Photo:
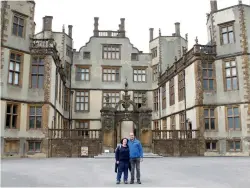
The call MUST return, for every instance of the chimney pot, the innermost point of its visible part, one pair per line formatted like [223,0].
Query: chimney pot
[70,30]
[151,34]
[47,23]
[177,29]
[213,5]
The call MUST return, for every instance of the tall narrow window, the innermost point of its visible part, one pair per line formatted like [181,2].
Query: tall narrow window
[155,73]
[231,76]
[37,73]
[138,95]
[209,119]
[111,74]
[181,86]
[172,122]
[67,70]
[66,99]
[139,75]
[171,92]
[11,116]
[233,118]
[156,100]
[35,117]
[114,98]
[82,101]
[208,76]
[182,121]
[82,74]
[15,68]
[156,125]
[227,34]
[18,26]
[164,124]
[111,51]
[163,93]
[154,52]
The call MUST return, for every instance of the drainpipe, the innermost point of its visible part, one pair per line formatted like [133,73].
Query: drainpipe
[70,93]
[185,99]
[56,89]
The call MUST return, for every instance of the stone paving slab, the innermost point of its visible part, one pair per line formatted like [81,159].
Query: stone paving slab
[199,172]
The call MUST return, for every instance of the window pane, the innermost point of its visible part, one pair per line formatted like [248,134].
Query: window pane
[230,123]
[11,67]
[20,31]
[34,81]
[135,78]
[227,64]
[14,31]
[231,145]
[206,113]
[212,121]
[228,72]
[205,86]
[213,145]
[233,63]
[234,71]
[207,124]
[38,122]
[16,78]
[38,111]
[228,80]
[229,112]
[86,106]
[31,146]
[225,41]
[237,123]
[10,77]
[40,82]
[210,73]
[34,69]
[224,30]
[37,146]
[231,37]
[144,78]
[211,113]
[41,70]
[237,145]
[235,83]
[230,28]
[8,120]
[208,145]
[32,122]
[211,84]
[236,111]
[87,76]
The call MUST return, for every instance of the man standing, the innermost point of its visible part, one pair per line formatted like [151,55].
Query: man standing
[136,156]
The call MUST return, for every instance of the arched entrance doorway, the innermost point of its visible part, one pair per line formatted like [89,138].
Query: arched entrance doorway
[112,118]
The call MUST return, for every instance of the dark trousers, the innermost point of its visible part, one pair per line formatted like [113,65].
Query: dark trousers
[135,163]
[122,168]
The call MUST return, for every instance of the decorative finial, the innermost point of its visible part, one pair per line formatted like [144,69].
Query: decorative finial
[175,58]
[196,40]
[159,32]
[63,28]
[186,36]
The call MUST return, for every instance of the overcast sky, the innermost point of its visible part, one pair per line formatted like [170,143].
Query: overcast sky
[139,16]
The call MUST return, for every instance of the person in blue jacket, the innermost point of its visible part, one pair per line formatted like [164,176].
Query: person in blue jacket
[136,156]
[122,160]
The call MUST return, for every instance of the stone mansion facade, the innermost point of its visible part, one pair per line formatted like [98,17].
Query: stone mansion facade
[47,84]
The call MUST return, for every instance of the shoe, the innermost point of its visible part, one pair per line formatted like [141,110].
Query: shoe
[138,181]
[117,182]
[126,182]
[131,182]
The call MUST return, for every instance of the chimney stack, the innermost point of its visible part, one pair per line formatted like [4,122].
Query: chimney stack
[213,5]
[151,34]
[96,19]
[177,29]
[240,2]
[47,23]
[70,30]
[122,27]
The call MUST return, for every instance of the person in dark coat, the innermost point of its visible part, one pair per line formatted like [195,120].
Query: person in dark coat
[122,160]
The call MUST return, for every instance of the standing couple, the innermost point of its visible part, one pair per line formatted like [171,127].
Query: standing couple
[130,152]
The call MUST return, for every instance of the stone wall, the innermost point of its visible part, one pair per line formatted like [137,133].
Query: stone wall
[174,147]
[72,147]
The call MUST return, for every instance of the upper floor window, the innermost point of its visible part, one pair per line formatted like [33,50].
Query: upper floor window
[139,74]
[233,118]
[86,55]
[15,68]
[35,117]
[82,73]
[154,52]
[155,72]
[18,26]
[208,76]
[156,100]
[181,86]
[82,101]
[227,33]
[66,99]
[231,75]
[82,124]
[156,125]
[171,92]
[11,116]
[37,72]
[134,57]
[163,93]
[138,95]
[67,70]
[111,51]
[114,98]
[172,122]
[111,74]
[209,119]
[68,51]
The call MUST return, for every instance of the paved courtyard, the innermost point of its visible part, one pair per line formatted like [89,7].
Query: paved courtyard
[221,172]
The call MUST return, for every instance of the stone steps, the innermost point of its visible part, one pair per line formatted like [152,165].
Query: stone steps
[112,155]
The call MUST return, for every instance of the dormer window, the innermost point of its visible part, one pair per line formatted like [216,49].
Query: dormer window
[86,55]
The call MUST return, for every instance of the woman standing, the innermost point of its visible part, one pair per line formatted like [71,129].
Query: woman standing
[122,160]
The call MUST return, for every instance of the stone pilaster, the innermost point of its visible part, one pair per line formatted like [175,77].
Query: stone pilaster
[245,61]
